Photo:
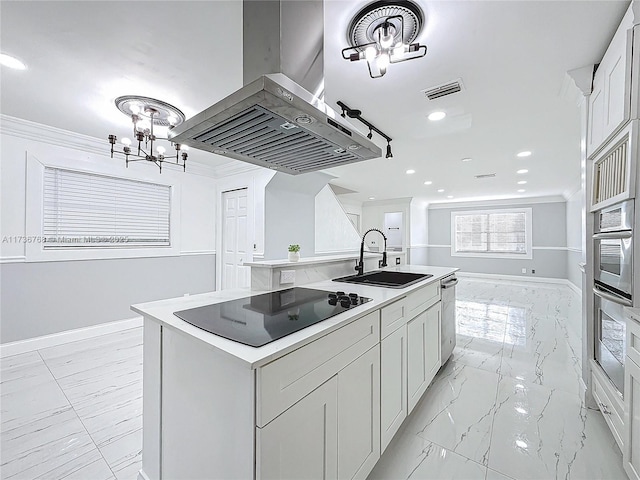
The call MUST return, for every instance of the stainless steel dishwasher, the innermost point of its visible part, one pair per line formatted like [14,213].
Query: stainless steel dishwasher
[448,319]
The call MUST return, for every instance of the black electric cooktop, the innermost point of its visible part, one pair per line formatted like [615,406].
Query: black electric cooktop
[261,319]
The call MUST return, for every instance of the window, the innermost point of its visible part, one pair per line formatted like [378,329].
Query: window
[87,210]
[492,233]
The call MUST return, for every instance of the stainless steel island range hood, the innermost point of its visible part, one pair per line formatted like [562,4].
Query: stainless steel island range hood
[274,121]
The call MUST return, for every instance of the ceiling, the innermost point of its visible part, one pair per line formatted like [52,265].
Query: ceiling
[511,56]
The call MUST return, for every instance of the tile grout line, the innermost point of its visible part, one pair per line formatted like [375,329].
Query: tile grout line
[77,416]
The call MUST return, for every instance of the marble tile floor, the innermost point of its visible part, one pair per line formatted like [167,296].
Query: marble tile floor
[506,406]
[73,411]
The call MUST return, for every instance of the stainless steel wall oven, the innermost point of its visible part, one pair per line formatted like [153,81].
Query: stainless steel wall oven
[613,287]
[613,250]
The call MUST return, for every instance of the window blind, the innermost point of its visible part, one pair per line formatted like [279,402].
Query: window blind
[88,210]
[484,232]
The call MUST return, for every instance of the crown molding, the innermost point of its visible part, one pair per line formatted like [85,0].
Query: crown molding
[498,203]
[38,132]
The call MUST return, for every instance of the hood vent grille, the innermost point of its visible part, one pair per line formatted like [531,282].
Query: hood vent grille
[269,140]
[444,90]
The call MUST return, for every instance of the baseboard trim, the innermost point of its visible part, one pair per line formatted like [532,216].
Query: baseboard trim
[521,278]
[55,339]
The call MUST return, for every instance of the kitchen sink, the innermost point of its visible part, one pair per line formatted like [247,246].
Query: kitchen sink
[385,279]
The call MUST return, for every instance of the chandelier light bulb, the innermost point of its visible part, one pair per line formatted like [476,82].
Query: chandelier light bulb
[126,142]
[172,120]
[370,53]
[383,61]
[135,109]
[184,148]
[386,37]
[161,150]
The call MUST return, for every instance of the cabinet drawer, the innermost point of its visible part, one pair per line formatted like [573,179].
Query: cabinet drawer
[418,301]
[286,380]
[609,407]
[392,317]
[633,340]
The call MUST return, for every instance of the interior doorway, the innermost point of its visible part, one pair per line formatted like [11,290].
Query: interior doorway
[235,241]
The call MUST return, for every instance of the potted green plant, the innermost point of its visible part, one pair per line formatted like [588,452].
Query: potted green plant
[294,252]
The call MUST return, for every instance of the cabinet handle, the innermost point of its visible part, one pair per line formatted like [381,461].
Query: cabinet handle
[605,409]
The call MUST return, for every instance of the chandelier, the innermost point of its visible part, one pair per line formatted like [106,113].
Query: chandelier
[147,113]
[382,34]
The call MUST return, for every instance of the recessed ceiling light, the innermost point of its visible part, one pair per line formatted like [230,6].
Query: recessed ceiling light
[435,116]
[441,190]
[467,159]
[521,444]
[524,170]
[522,182]
[449,196]
[428,182]
[410,172]
[521,190]
[526,153]
[11,62]
[372,198]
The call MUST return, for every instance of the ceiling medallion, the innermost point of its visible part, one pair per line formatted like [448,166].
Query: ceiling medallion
[382,34]
[145,113]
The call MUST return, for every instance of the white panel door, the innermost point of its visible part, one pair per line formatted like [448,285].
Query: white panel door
[302,442]
[393,380]
[235,241]
[359,416]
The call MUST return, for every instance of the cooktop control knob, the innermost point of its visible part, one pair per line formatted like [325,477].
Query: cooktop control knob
[354,298]
[345,302]
[340,294]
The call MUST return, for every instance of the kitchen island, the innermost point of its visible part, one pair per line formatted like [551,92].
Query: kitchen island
[322,402]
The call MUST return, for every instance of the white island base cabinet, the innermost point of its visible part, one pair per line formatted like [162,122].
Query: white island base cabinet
[423,353]
[302,443]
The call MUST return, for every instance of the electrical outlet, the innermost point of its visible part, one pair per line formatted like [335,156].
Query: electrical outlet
[524,270]
[397,260]
[533,271]
[287,276]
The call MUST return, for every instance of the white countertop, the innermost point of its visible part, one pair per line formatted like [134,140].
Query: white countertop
[318,259]
[162,312]
[633,313]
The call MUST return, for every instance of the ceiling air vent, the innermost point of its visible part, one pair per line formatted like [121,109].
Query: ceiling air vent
[486,175]
[443,90]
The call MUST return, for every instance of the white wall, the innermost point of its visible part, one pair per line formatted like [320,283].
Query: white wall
[290,213]
[334,232]
[41,295]
[575,214]
[373,217]
[419,233]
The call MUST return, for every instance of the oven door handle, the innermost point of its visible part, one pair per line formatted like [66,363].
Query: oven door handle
[612,298]
[614,235]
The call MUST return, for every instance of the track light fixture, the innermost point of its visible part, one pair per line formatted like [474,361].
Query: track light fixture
[357,114]
[382,33]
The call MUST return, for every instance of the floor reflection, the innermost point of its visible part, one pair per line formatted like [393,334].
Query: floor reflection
[492,322]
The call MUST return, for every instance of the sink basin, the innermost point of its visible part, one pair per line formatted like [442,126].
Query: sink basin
[385,279]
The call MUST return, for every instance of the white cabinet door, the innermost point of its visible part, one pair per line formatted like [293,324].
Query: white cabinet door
[302,443]
[631,455]
[393,381]
[423,353]
[359,416]
[610,100]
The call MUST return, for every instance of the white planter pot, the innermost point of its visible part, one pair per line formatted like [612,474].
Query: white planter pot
[294,256]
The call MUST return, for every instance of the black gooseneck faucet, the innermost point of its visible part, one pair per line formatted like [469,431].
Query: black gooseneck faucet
[360,264]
